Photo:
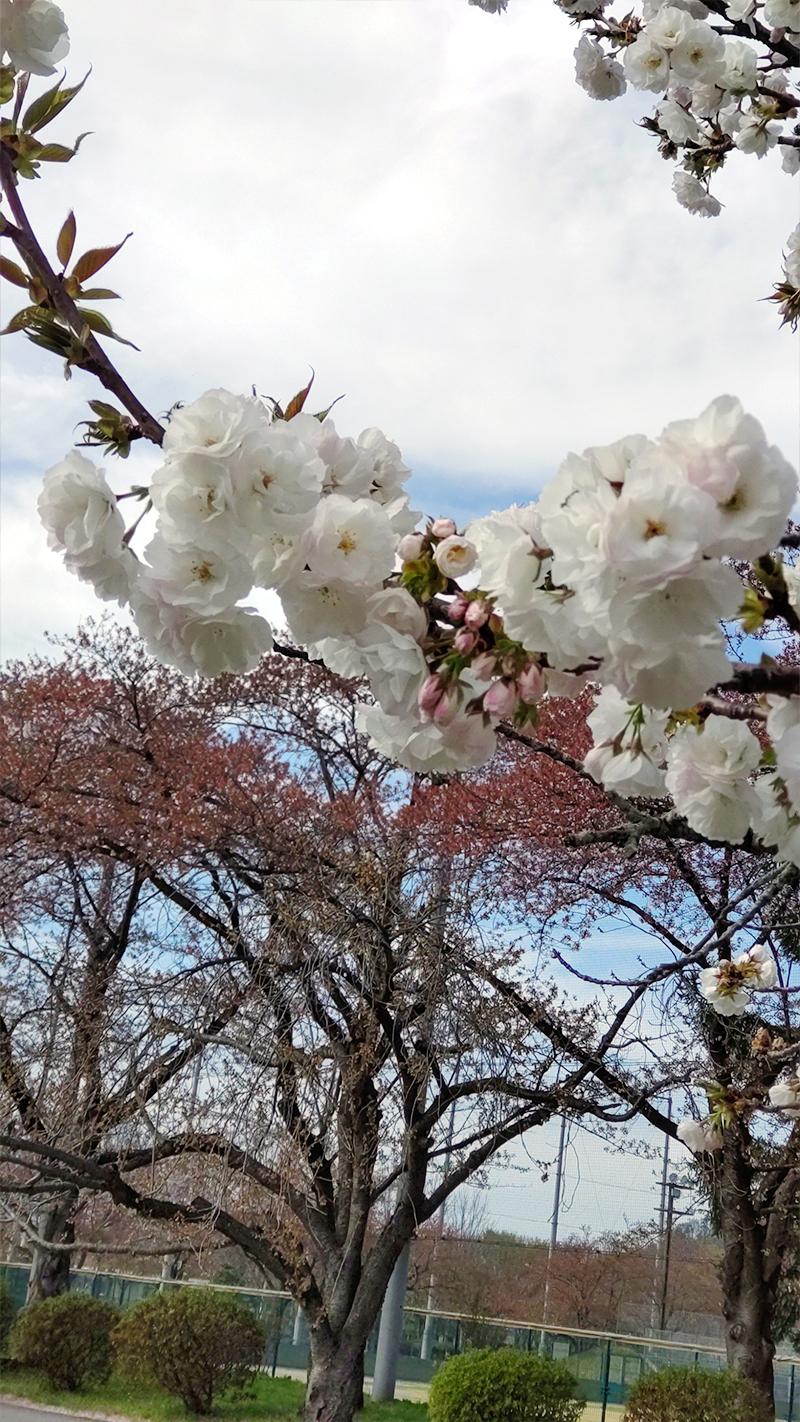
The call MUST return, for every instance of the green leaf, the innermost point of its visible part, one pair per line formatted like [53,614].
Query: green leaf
[94,259]
[13,273]
[66,239]
[44,109]
[57,152]
[7,77]
[108,412]
[96,321]
[752,611]
[28,316]
[99,293]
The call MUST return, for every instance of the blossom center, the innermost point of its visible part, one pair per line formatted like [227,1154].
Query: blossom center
[347,543]
[655,528]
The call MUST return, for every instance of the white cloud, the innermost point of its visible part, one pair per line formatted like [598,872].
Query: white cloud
[419,201]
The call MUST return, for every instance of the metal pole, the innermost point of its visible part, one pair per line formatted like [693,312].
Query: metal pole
[606,1375]
[390,1331]
[554,1218]
[790,1409]
[661,1213]
[672,1191]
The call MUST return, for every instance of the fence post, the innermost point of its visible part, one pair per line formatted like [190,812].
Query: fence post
[790,1412]
[606,1373]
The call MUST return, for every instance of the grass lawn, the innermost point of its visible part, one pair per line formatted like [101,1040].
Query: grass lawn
[274,1400]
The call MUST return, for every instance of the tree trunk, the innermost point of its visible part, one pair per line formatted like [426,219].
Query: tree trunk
[335,1379]
[50,1267]
[748,1299]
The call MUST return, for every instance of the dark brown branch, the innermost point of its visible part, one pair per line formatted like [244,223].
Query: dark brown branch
[96,362]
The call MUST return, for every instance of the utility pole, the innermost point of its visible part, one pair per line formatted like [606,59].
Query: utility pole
[554,1219]
[654,1306]
[672,1191]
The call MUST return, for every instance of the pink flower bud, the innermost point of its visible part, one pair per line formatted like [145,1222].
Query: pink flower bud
[476,614]
[531,684]
[411,547]
[446,709]
[483,666]
[464,640]
[501,699]
[457,607]
[429,695]
[443,528]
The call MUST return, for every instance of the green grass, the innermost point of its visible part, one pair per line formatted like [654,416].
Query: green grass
[273,1400]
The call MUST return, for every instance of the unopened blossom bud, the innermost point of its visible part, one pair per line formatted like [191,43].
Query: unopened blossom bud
[531,684]
[457,607]
[501,699]
[411,547]
[446,709]
[483,666]
[465,641]
[443,528]
[429,695]
[477,614]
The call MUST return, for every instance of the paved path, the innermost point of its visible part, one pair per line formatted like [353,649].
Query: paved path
[18,1411]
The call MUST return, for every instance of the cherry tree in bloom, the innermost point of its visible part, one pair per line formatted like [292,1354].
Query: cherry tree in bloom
[629,573]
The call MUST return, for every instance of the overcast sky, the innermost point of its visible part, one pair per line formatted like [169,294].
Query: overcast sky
[414,198]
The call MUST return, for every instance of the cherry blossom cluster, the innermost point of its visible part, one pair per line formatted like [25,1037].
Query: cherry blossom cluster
[716,90]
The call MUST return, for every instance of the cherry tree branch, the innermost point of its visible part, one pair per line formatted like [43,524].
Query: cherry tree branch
[95,361]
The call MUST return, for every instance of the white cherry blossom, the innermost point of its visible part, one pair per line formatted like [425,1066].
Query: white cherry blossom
[708,777]
[660,526]
[646,64]
[34,35]
[351,541]
[699,1136]
[423,747]
[233,641]
[79,510]
[198,578]
[629,745]
[785,1097]
[316,610]
[725,453]
[596,72]
[693,196]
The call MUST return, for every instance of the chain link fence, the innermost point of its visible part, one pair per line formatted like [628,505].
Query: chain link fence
[605,1365]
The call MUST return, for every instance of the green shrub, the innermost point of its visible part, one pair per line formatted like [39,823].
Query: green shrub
[503,1386]
[67,1338]
[195,1343]
[692,1395]
[7,1312]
